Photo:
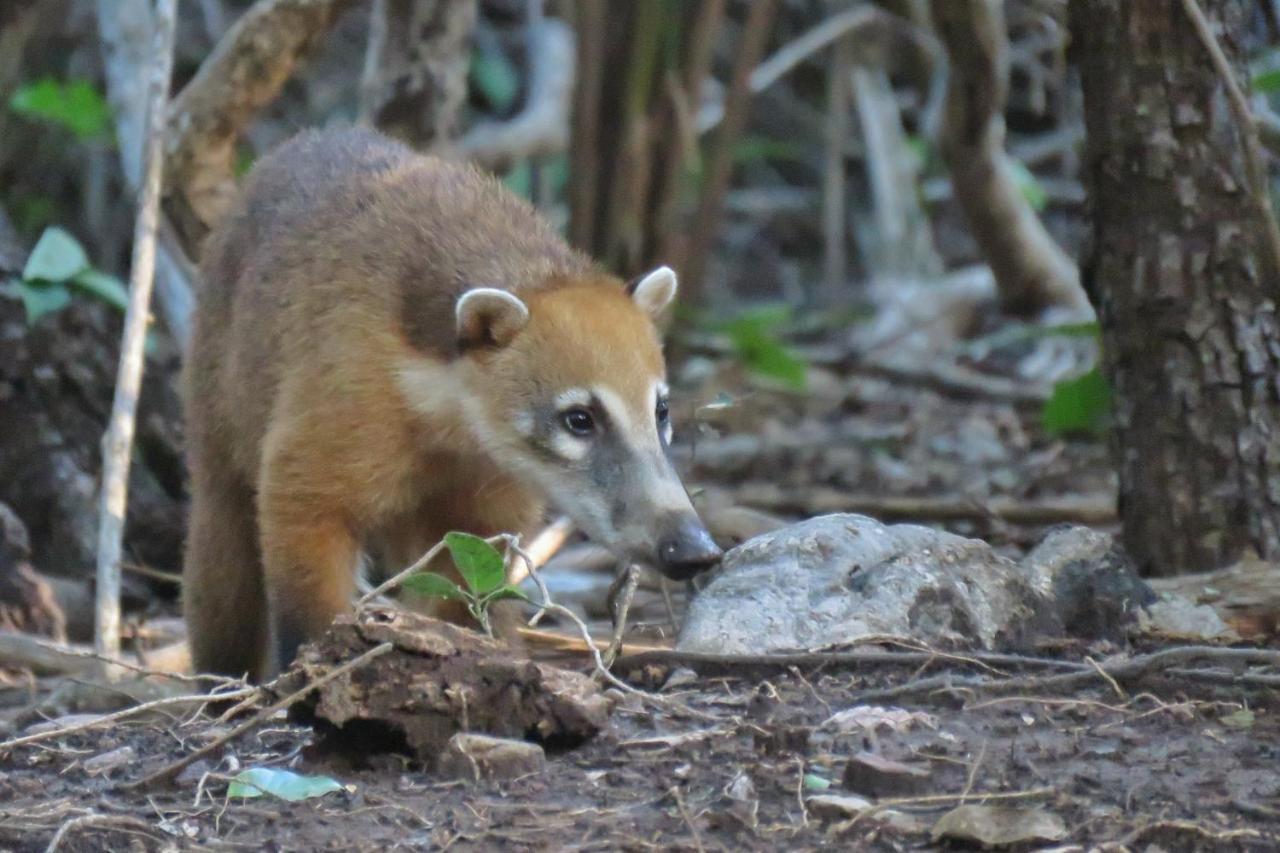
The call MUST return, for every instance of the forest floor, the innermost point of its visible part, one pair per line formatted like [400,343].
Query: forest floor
[753,757]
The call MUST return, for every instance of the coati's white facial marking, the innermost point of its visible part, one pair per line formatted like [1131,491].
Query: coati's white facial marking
[524,423]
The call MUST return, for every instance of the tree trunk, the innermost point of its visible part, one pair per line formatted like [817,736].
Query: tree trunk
[1186,285]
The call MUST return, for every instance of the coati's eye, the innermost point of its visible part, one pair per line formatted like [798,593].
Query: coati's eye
[663,413]
[579,422]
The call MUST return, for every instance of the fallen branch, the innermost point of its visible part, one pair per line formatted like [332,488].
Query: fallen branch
[244,73]
[838,659]
[118,444]
[110,719]
[1118,671]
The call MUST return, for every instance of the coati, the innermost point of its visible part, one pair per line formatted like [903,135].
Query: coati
[387,347]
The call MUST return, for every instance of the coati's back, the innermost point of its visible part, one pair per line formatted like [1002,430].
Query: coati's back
[346,237]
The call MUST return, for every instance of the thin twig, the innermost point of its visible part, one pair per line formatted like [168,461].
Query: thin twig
[118,444]
[688,820]
[108,719]
[1259,192]
[176,767]
[118,823]
[397,579]
[620,608]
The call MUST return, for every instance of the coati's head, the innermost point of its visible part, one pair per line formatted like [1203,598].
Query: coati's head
[568,391]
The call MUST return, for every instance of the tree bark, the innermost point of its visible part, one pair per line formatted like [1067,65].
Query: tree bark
[1186,286]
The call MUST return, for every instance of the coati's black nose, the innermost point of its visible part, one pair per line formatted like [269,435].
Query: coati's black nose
[687,549]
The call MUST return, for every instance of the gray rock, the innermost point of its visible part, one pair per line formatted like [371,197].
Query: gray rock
[1094,589]
[837,578]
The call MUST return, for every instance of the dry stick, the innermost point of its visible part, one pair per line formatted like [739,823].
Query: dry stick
[176,767]
[395,581]
[118,444]
[64,659]
[107,719]
[621,610]
[601,668]
[813,659]
[1253,156]
[544,546]
[119,823]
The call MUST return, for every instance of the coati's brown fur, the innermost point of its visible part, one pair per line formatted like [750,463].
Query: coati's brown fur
[342,263]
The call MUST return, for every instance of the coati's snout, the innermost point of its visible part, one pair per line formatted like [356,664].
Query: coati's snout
[686,548]
[574,399]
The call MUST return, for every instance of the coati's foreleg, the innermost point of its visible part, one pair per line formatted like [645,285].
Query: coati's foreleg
[309,551]
[222,584]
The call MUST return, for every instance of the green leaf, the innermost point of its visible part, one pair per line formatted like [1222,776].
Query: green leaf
[1029,185]
[759,149]
[1267,82]
[1241,719]
[814,782]
[57,257]
[434,586]
[75,105]
[41,297]
[506,591]
[1079,405]
[285,784]
[106,287]
[759,349]
[480,564]
[495,78]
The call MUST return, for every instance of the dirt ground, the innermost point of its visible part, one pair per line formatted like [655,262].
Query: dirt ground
[1153,774]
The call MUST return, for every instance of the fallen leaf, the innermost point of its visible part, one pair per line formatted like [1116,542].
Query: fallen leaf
[999,825]
[871,717]
[284,784]
[1242,719]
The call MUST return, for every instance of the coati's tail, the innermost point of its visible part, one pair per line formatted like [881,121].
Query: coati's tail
[223,598]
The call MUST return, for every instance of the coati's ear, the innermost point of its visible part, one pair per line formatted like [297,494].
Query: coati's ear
[654,291]
[489,317]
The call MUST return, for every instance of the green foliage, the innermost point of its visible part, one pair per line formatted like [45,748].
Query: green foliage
[74,105]
[1264,71]
[1267,82]
[483,570]
[495,78]
[1079,405]
[759,149]
[479,563]
[285,784]
[815,782]
[1029,185]
[756,343]
[57,266]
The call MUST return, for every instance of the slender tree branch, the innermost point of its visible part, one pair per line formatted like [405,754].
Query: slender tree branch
[118,444]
